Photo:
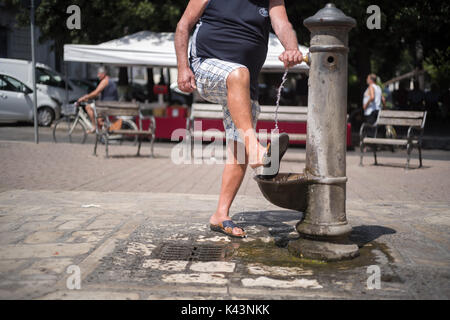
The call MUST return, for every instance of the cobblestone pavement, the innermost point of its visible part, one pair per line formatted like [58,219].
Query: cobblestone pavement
[117,219]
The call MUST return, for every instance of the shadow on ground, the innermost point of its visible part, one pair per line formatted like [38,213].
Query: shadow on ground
[361,235]
[399,165]
[280,230]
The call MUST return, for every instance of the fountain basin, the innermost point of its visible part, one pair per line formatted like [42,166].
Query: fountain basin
[286,190]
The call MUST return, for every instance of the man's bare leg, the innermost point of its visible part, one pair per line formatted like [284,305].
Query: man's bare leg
[239,104]
[100,121]
[232,177]
[90,112]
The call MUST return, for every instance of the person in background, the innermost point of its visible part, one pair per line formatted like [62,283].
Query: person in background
[106,89]
[372,100]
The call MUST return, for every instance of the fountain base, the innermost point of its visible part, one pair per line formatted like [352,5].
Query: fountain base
[325,242]
[322,250]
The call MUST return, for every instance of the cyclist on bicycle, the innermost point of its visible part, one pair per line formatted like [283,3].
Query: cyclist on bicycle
[107,90]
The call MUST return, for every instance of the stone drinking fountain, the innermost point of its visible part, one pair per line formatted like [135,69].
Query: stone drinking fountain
[319,192]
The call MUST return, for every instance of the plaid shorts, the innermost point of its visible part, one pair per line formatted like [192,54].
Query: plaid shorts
[211,80]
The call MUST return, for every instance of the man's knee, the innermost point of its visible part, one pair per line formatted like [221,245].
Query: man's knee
[239,76]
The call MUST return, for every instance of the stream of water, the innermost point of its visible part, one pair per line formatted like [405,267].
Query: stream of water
[280,88]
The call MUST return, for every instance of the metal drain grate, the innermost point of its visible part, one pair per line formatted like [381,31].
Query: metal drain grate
[192,252]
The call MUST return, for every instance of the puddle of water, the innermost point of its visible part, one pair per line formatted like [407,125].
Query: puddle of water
[271,255]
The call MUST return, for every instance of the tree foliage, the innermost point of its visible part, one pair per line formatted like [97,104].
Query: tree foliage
[102,20]
[406,25]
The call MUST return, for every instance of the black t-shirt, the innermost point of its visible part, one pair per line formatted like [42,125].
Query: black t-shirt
[235,31]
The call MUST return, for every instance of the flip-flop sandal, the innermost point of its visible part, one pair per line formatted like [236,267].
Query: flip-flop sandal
[226,227]
[268,171]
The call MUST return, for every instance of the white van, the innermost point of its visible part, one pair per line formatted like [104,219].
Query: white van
[48,81]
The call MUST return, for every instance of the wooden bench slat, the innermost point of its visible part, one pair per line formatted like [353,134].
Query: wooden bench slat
[209,134]
[283,117]
[264,109]
[297,136]
[401,114]
[206,107]
[118,113]
[207,114]
[399,142]
[400,122]
[117,108]
[116,104]
[284,109]
[133,132]
[262,116]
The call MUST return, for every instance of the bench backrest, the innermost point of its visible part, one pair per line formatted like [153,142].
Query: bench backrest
[206,111]
[285,113]
[402,118]
[116,108]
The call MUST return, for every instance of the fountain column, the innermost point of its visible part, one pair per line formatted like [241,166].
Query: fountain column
[324,229]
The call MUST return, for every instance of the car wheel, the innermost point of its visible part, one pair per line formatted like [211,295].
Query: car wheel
[45,116]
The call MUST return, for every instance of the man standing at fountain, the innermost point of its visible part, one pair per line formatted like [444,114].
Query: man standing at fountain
[228,50]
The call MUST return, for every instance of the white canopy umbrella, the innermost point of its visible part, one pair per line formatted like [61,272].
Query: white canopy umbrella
[153,49]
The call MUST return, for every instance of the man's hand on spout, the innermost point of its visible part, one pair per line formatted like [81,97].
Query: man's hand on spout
[291,57]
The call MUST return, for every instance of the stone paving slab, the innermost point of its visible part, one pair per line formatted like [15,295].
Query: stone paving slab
[115,242]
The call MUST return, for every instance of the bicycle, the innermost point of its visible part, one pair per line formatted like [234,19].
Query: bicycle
[73,127]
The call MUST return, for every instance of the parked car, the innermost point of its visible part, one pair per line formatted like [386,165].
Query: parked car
[47,80]
[16,103]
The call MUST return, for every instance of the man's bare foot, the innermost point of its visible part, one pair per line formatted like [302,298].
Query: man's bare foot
[91,131]
[218,220]
[258,160]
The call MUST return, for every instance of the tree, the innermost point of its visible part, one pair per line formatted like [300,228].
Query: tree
[407,26]
[101,20]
